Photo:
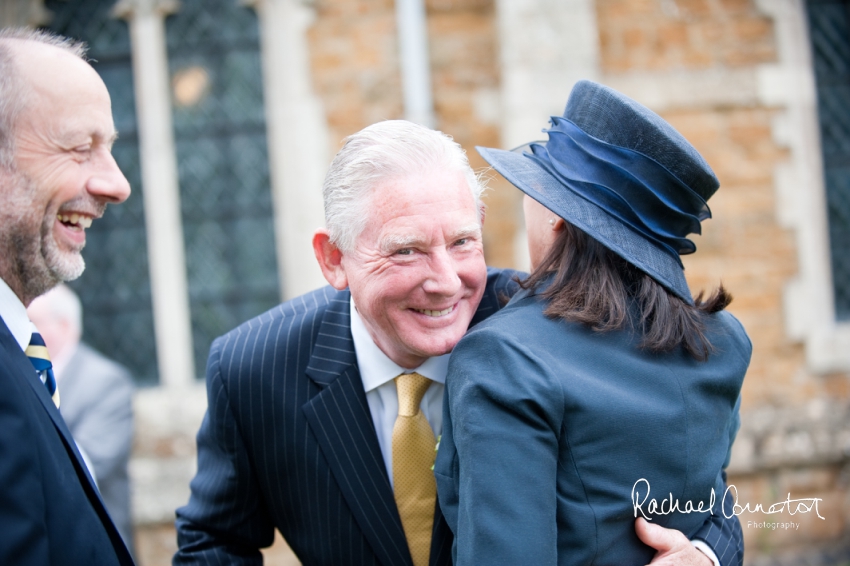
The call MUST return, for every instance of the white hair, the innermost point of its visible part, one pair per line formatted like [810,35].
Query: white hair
[63,304]
[13,93]
[392,149]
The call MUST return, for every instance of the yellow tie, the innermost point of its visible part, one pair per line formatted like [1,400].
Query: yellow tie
[413,458]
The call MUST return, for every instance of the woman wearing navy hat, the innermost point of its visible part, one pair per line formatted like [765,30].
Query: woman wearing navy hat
[603,384]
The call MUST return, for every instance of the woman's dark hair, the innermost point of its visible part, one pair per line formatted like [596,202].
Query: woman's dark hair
[594,286]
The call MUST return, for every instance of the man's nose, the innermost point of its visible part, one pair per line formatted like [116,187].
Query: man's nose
[107,182]
[443,278]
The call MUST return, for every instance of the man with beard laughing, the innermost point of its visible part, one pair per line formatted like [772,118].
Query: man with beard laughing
[57,175]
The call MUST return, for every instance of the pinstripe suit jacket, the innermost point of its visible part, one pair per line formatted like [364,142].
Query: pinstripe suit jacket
[288,442]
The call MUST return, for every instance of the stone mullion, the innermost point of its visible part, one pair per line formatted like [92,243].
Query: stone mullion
[536,81]
[166,249]
[297,140]
[412,33]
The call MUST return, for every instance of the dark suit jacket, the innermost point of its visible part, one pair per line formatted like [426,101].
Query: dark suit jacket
[548,425]
[288,442]
[97,405]
[50,510]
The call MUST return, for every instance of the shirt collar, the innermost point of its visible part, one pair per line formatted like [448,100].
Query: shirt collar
[376,368]
[14,314]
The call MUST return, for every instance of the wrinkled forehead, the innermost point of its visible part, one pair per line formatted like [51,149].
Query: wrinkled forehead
[433,193]
[417,185]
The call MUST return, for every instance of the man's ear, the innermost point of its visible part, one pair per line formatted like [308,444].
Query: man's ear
[330,259]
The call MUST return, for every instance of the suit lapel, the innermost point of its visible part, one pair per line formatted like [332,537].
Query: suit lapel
[19,365]
[340,419]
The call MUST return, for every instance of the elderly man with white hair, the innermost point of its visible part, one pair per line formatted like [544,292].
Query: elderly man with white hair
[324,411]
[97,399]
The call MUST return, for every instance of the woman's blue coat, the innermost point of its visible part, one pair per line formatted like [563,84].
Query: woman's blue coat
[550,426]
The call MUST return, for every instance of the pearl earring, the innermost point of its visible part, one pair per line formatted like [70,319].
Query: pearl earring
[551,222]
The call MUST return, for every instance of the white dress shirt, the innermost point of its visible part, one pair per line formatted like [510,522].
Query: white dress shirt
[14,314]
[378,372]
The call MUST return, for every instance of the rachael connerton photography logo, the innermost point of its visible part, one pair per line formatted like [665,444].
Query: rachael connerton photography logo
[773,526]
[643,504]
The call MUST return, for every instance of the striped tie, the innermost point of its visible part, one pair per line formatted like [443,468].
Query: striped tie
[37,353]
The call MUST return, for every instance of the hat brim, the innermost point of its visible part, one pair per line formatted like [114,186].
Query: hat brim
[627,243]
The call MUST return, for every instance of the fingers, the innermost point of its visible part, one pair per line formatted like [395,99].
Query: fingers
[672,547]
[659,538]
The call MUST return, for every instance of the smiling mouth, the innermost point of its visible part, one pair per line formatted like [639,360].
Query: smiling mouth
[427,312]
[77,221]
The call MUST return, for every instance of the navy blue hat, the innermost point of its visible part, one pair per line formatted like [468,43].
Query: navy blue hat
[619,172]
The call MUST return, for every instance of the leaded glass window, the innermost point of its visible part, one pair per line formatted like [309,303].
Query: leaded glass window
[829,24]
[220,135]
[115,288]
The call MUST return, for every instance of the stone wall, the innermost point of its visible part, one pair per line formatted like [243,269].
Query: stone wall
[674,35]
[795,452]
[465,71]
[163,464]
[701,64]
[355,65]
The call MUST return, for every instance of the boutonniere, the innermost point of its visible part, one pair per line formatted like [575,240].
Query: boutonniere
[436,447]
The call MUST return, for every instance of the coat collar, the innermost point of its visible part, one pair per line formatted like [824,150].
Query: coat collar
[16,363]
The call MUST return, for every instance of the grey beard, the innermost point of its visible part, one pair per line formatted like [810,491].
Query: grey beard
[31,262]
[63,266]
[33,277]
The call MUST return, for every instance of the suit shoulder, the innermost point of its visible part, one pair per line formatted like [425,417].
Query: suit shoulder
[510,319]
[505,333]
[731,330]
[501,286]
[507,356]
[300,314]
[504,280]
